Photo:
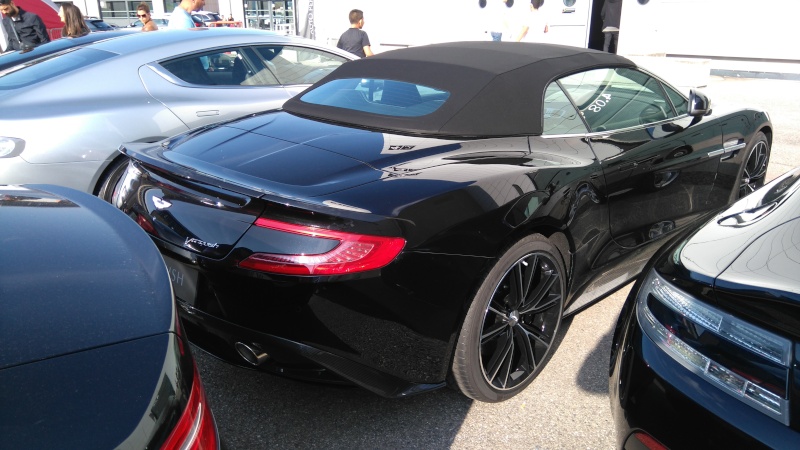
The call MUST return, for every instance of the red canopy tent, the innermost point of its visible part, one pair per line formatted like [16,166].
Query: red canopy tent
[48,11]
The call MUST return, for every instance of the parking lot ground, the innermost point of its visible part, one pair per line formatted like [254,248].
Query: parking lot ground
[566,407]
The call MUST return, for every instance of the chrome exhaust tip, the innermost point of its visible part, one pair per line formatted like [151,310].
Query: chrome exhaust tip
[251,353]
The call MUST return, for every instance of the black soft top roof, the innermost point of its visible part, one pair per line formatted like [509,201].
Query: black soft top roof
[496,88]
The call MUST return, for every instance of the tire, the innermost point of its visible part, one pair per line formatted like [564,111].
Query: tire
[110,178]
[754,171]
[507,338]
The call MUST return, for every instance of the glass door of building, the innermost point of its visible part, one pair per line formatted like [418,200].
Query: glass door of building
[273,15]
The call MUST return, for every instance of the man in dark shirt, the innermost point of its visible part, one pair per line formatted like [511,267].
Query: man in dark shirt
[611,14]
[354,40]
[23,29]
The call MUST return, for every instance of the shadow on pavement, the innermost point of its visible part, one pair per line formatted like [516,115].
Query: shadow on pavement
[255,410]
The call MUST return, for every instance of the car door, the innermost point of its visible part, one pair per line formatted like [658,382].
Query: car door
[212,86]
[659,176]
[564,133]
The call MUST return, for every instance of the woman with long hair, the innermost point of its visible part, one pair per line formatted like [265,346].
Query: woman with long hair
[74,25]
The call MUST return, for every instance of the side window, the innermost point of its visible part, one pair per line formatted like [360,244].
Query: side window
[229,67]
[611,99]
[678,100]
[298,65]
[559,116]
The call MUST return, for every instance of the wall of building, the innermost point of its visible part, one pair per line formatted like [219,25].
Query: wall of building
[709,28]
[733,29]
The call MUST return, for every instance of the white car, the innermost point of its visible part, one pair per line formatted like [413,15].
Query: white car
[66,115]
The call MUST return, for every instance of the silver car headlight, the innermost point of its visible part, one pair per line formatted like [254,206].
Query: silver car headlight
[11,147]
[743,360]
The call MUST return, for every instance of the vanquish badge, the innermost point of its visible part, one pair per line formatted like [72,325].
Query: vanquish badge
[196,241]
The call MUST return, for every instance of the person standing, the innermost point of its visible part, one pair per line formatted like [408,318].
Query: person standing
[4,45]
[143,13]
[498,11]
[24,30]
[74,25]
[611,13]
[181,18]
[355,40]
[536,21]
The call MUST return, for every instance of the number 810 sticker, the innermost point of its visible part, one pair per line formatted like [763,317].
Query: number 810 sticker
[598,104]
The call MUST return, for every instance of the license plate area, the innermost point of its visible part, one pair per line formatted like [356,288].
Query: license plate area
[183,278]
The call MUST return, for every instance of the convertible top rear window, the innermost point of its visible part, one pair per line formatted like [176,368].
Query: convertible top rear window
[377,96]
[52,66]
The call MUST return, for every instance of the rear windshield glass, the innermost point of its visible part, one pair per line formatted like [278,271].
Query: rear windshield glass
[48,67]
[375,96]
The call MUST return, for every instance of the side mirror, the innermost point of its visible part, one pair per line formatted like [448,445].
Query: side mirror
[699,104]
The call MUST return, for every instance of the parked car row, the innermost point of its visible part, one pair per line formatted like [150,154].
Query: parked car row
[200,18]
[423,181]
[169,83]
[421,218]
[97,24]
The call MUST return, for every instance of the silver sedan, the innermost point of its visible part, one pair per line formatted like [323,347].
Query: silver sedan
[64,116]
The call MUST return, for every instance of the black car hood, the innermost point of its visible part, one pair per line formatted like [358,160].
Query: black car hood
[95,399]
[75,274]
[754,242]
[298,157]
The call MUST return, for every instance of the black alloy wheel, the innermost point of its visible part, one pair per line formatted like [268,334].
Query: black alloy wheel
[754,172]
[511,326]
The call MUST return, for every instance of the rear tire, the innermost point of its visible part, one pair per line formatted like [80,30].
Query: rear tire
[111,177]
[511,326]
[754,171]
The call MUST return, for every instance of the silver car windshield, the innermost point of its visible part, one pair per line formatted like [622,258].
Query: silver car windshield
[49,67]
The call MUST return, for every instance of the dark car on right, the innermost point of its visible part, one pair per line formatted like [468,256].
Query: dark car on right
[706,353]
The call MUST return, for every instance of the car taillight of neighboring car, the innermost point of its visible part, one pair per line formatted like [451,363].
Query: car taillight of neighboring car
[195,429]
[348,252]
[743,360]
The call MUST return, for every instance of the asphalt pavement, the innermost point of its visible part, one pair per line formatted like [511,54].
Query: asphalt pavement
[566,407]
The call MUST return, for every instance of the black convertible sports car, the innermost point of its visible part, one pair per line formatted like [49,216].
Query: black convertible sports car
[706,350]
[431,214]
[91,354]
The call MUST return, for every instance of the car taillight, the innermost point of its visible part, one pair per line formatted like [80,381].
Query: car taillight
[352,252]
[647,441]
[195,429]
[743,360]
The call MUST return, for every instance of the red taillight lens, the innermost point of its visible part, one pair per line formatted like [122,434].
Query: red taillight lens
[648,441]
[195,429]
[354,252]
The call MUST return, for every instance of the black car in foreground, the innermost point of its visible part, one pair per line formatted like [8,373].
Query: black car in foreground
[431,213]
[706,350]
[91,354]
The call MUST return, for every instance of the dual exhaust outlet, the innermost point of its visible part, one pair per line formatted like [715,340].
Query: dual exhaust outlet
[251,353]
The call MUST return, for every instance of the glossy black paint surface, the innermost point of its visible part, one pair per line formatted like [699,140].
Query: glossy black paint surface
[741,261]
[606,201]
[61,256]
[91,357]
